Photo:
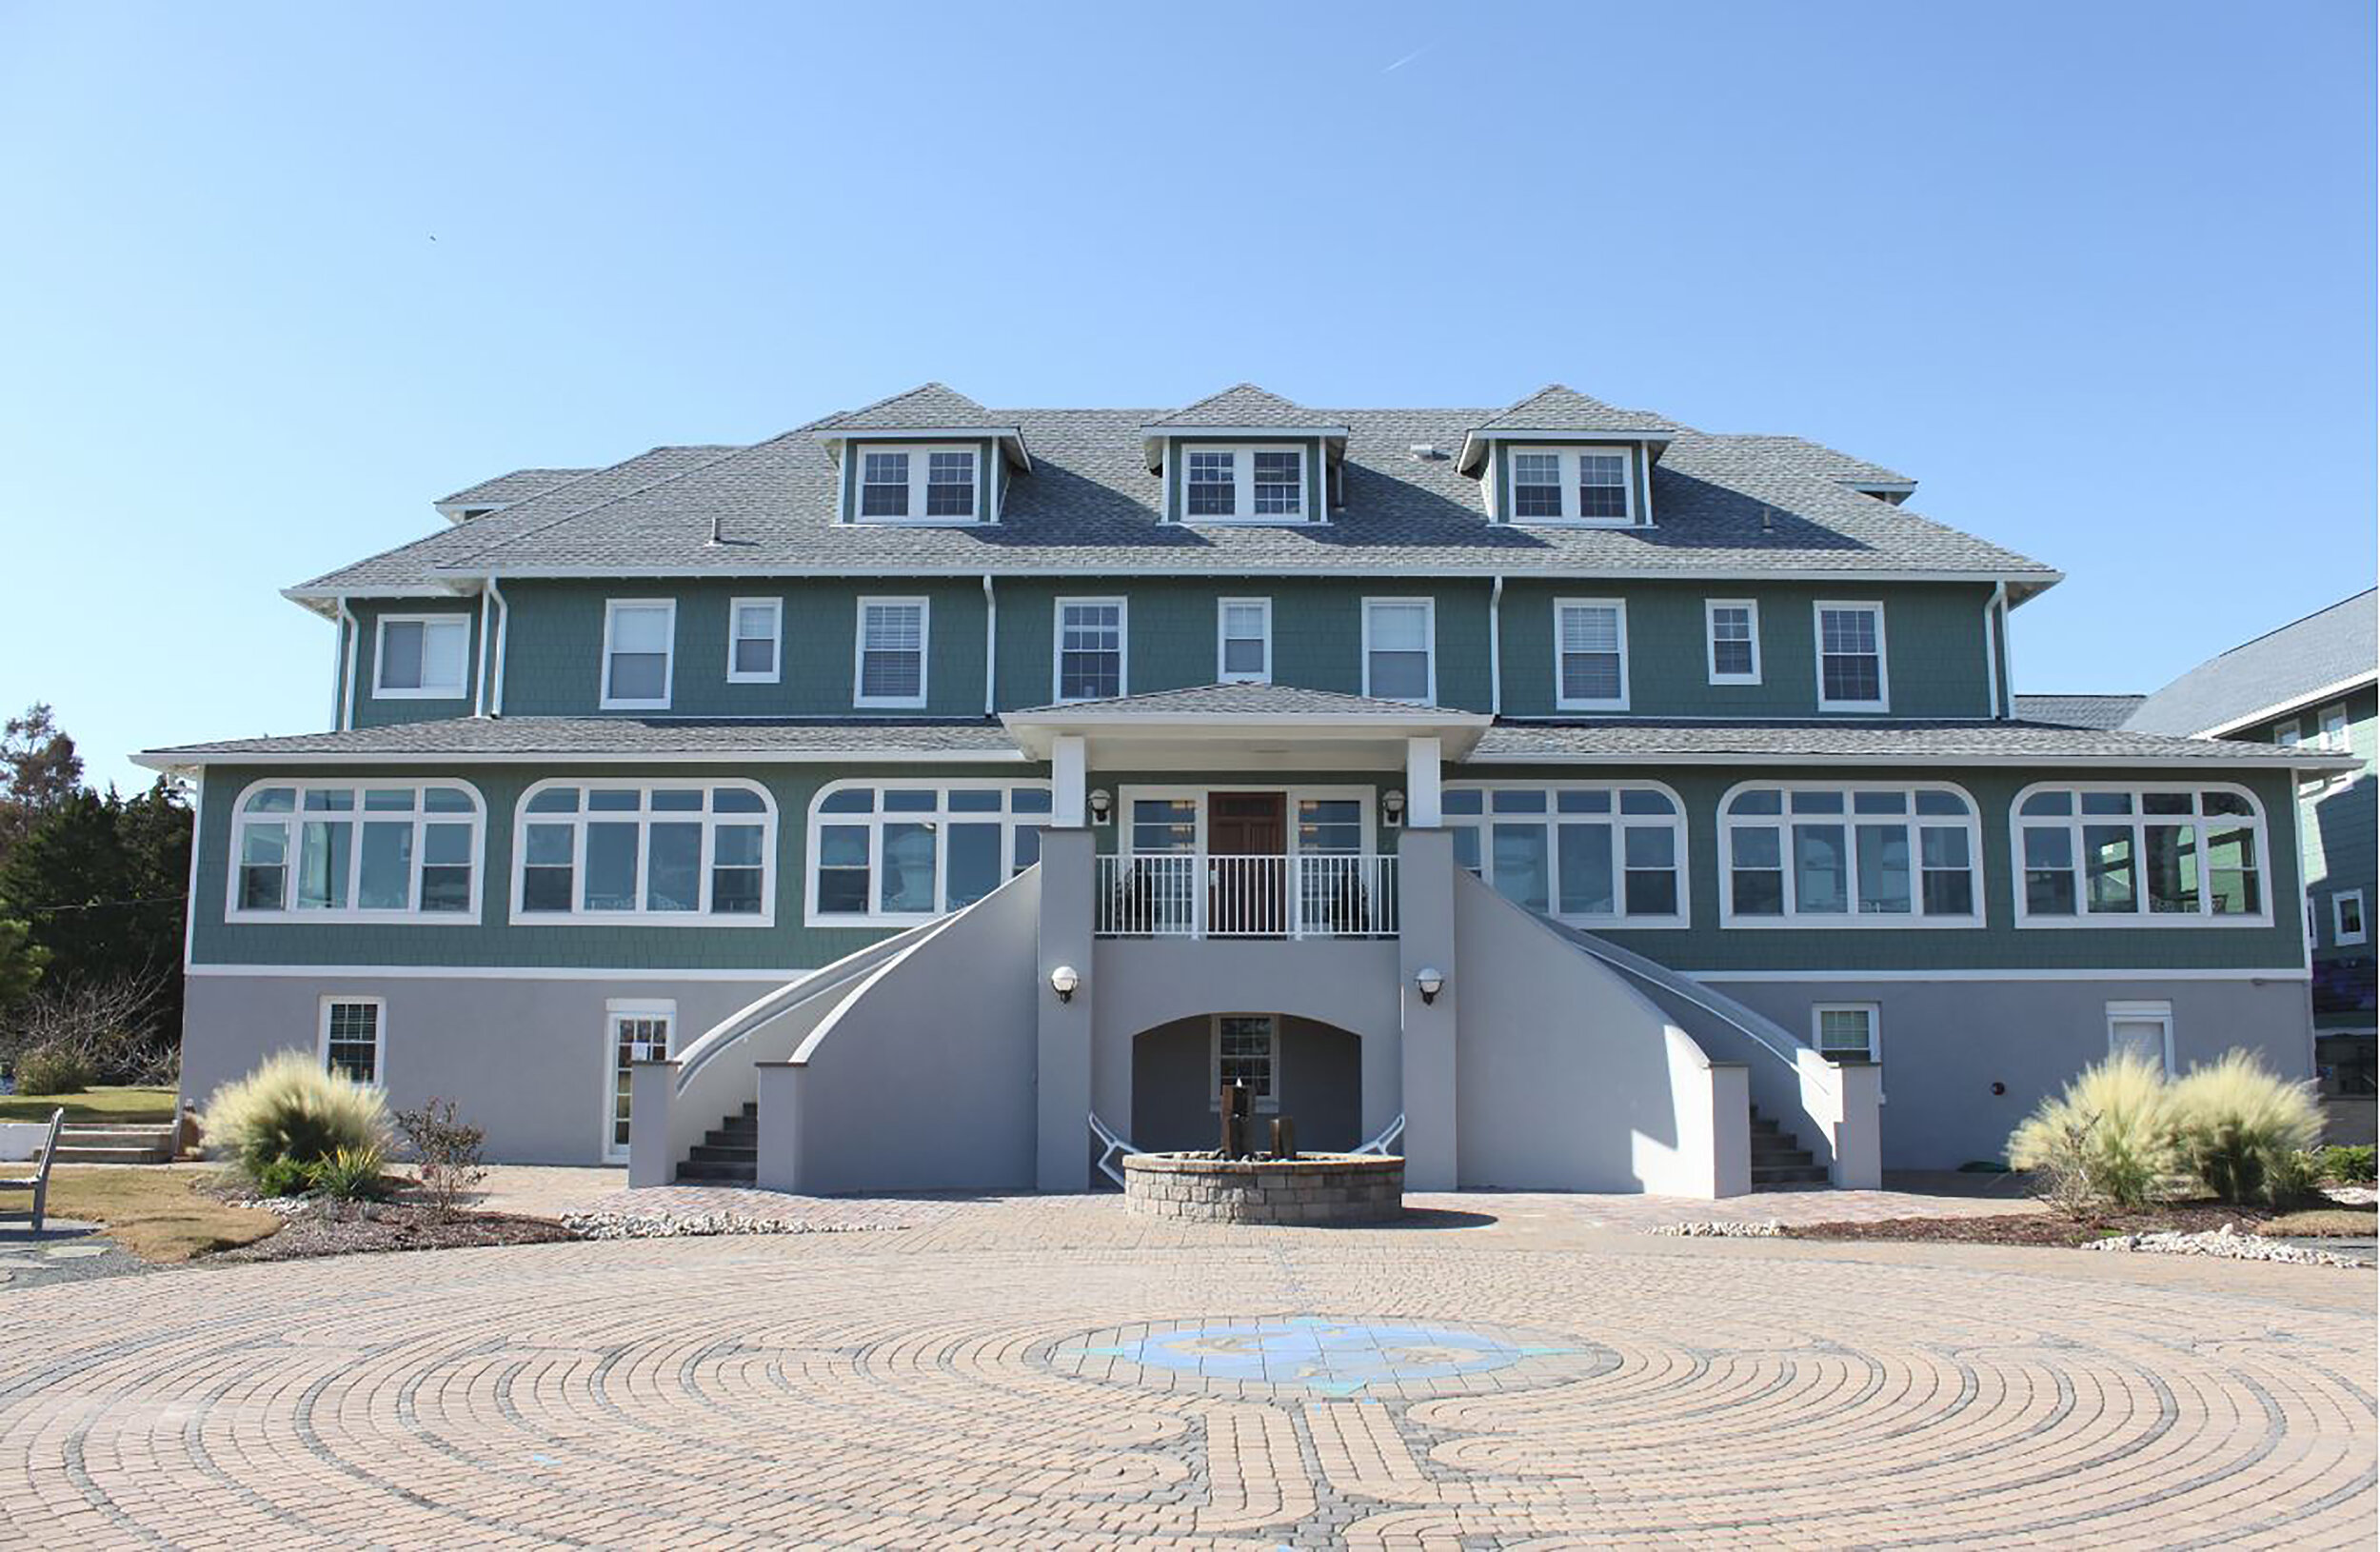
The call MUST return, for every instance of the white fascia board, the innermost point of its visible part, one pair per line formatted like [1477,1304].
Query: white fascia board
[175,760]
[1011,437]
[1486,570]
[1858,976]
[2045,761]
[458,587]
[486,972]
[1479,440]
[2295,703]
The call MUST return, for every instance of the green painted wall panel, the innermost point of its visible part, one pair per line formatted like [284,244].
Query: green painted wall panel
[370,711]
[2340,842]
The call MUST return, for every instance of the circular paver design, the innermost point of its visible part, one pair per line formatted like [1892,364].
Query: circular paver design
[930,1386]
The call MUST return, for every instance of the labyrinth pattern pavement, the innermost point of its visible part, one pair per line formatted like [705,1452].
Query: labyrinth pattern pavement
[1371,1390]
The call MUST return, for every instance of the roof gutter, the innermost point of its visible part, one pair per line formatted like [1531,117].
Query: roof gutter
[503,637]
[1171,570]
[1495,648]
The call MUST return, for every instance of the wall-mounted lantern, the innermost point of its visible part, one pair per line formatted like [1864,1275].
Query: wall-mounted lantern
[1392,806]
[1101,805]
[1062,981]
[1429,981]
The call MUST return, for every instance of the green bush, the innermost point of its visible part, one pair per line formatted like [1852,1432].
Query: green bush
[2345,1165]
[2107,1140]
[2240,1128]
[290,1110]
[282,1177]
[53,1070]
[350,1174]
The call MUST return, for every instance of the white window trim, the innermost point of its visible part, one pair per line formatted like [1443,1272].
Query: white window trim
[290,912]
[1619,608]
[616,1008]
[1710,641]
[1568,457]
[2142,1012]
[612,607]
[1916,920]
[578,916]
[379,1032]
[1223,616]
[462,685]
[1262,1105]
[1244,482]
[1817,655]
[1677,822]
[1875,1012]
[941,817]
[2340,935]
[858,654]
[920,456]
[1058,648]
[1429,607]
[776,608]
[2018,823]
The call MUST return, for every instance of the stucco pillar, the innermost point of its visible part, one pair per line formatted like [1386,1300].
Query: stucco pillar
[778,1163]
[1859,1162]
[1067,780]
[651,1086]
[1422,758]
[1426,906]
[1062,1059]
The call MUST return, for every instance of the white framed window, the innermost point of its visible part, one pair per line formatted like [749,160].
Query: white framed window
[888,662]
[640,651]
[350,1035]
[1244,1048]
[1847,1032]
[1851,657]
[1849,854]
[355,851]
[2110,854]
[1599,853]
[755,629]
[920,483]
[1243,640]
[1731,631]
[2142,1030]
[421,656]
[1255,484]
[1401,649]
[1590,655]
[635,1029]
[653,853]
[894,853]
[2330,734]
[1088,649]
[2347,918]
[1587,486]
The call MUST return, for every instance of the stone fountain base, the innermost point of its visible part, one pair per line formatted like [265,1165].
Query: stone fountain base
[1311,1188]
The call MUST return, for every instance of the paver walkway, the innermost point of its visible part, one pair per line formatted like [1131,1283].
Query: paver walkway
[1050,1373]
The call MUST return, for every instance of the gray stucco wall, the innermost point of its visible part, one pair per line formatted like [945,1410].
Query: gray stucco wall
[1320,1078]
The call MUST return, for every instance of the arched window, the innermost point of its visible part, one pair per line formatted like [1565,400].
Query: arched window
[2114,854]
[895,853]
[1594,853]
[1849,854]
[350,851]
[666,853]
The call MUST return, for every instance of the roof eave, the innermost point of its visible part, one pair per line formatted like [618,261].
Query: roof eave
[1011,438]
[1474,442]
[2295,703]
[1153,438]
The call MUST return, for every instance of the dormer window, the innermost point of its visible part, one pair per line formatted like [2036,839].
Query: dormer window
[1244,484]
[917,484]
[1567,485]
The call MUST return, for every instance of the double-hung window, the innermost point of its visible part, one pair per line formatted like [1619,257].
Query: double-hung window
[1815,854]
[1732,628]
[889,662]
[421,656]
[1243,640]
[917,484]
[2103,854]
[1610,853]
[658,854]
[1090,648]
[1851,657]
[1401,649]
[1243,484]
[754,637]
[2347,918]
[899,852]
[349,1037]
[1572,485]
[1591,648]
[330,850]
[1245,1050]
[640,643]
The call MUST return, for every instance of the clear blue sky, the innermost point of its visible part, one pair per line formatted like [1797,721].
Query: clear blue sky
[2101,276]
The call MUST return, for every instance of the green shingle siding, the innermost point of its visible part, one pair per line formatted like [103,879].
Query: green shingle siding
[2340,839]
[372,712]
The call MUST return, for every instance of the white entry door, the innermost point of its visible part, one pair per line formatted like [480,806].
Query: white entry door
[637,1031]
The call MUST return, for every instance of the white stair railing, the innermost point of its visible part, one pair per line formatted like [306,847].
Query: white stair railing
[1198,895]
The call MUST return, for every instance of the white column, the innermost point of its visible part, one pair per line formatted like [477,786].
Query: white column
[1422,762]
[1066,781]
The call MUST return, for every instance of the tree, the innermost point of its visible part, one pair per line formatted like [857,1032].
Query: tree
[21,960]
[101,883]
[40,770]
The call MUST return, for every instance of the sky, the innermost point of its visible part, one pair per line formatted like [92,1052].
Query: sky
[273,277]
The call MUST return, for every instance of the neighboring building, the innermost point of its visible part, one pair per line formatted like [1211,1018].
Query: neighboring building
[2311,684]
[2078,710]
[933,796]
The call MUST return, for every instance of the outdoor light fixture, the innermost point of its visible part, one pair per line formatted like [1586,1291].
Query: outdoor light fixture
[1100,802]
[1392,806]
[1062,981]
[1430,980]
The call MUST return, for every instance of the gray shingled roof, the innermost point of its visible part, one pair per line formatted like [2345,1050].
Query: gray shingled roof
[1724,505]
[1884,741]
[933,407]
[626,738]
[2078,710]
[1555,408]
[1243,405]
[2269,674]
[505,488]
[1246,701]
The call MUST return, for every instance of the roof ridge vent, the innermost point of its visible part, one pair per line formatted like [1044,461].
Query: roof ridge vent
[1425,451]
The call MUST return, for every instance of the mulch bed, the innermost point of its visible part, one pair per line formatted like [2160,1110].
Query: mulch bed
[2051,1228]
[384,1227]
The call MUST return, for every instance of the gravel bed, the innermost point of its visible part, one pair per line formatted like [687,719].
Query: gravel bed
[1710,1229]
[2226,1241]
[651,1225]
[320,1228]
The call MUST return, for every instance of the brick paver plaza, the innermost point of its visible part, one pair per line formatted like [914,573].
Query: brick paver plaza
[1052,1373]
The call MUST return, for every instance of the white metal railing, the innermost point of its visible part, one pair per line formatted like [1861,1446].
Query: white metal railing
[1195,895]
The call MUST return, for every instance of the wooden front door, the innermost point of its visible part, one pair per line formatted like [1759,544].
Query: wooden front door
[1247,880]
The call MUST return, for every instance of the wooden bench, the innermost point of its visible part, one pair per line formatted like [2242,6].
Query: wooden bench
[39,1183]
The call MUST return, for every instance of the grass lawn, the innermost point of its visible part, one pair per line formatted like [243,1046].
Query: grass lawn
[138,1107]
[156,1213]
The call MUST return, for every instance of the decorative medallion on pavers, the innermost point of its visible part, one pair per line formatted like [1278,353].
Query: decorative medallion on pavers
[1325,1356]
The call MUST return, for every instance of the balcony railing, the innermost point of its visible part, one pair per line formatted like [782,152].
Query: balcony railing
[1192,895]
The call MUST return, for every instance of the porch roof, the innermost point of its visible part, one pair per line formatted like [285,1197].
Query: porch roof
[1259,725]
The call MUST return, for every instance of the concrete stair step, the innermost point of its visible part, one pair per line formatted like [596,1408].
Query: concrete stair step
[103,1153]
[1787,1175]
[117,1136]
[722,1153]
[698,1170]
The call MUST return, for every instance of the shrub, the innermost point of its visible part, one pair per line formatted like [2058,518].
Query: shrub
[2239,1125]
[350,1174]
[446,1152]
[281,1177]
[53,1070]
[291,1109]
[2345,1165]
[2108,1140]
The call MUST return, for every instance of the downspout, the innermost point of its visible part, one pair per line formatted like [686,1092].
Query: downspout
[349,627]
[1994,627]
[991,641]
[504,635]
[1495,648]
[479,675]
